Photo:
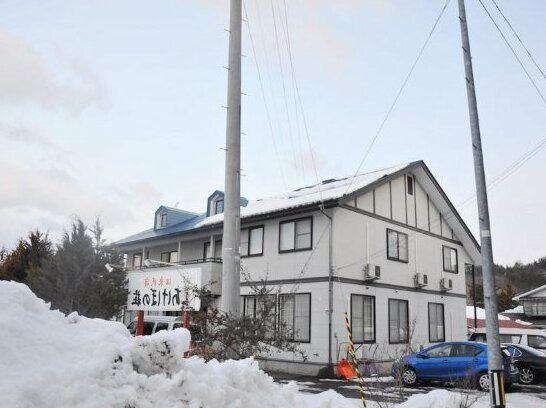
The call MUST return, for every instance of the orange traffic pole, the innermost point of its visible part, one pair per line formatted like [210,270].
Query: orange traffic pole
[140,323]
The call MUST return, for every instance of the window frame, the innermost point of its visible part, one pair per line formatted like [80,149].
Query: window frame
[410,183]
[398,233]
[216,203]
[407,320]
[439,340]
[139,255]
[295,221]
[163,220]
[281,295]
[254,298]
[247,231]
[456,270]
[374,320]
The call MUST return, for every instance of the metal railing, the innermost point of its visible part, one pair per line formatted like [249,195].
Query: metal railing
[182,263]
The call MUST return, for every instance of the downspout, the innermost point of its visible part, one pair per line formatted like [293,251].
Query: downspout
[330,284]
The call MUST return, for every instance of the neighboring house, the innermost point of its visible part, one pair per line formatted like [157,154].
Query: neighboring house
[505,322]
[534,306]
[388,245]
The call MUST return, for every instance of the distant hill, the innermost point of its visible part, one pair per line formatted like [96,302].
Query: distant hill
[510,281]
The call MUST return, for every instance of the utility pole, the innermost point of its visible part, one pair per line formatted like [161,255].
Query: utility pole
[496,384]
[231,259]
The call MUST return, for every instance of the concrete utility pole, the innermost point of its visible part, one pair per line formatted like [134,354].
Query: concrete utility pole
[496,388]
[231,260]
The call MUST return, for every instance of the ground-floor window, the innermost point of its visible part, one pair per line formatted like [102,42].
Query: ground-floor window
[398,321]
[436,325]
[295,316]
[363,318]
[262,308]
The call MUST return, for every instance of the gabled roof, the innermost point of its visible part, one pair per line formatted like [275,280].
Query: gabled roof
[531,292]
[329,192]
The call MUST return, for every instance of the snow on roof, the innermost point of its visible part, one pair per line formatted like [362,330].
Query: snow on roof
[517,309]
[317,193]
[480,313]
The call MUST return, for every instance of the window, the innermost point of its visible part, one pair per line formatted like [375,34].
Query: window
[218,206]
[161,326]
[206,250]
[137,260]
[410,184]
[363,318]
[296,235]
[440,351]
[465,350]
[161,220]
[173,257]
[252,240]
[397,246]
[450,259]
[536,341]
[398,321]
[262,309]
[165,257]
[436,326]
[295,316]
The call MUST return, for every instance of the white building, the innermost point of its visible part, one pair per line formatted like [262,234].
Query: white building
[388,245]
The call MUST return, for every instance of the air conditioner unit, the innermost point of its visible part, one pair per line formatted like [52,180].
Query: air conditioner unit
[372,272]
[446,284]
[420,280]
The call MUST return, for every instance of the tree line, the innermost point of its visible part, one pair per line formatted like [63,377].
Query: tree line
[510,281]
[72,274]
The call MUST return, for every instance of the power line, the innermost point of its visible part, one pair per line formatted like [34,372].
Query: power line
[519,39]
[268,114]
[513,52]
[404,83]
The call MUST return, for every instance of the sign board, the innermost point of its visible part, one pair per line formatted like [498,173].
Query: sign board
[163,289]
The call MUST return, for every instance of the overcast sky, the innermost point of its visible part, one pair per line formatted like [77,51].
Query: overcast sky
[112,108]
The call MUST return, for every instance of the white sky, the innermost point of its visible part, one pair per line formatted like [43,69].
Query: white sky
[111,108]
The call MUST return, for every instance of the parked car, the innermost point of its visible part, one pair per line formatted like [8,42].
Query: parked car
[452,361]
[530,362]
[535,338]
[153,324]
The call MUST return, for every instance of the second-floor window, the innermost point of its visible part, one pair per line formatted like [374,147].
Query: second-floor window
[450,259]
[252,241]
[296,235]
[171,257]
[162,220]
[397,246]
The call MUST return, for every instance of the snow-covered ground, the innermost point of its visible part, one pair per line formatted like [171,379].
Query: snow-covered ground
[52,360]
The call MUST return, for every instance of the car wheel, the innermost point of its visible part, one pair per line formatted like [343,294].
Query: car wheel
[526,375]
[483,381]
[409,377]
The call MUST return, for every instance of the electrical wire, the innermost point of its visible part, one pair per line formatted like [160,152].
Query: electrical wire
[519,39]
[397,97]
[513,52]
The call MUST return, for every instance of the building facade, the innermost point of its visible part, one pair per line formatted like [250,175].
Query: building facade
[386,247]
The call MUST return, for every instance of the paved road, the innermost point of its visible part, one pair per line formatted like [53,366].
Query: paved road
[386,389]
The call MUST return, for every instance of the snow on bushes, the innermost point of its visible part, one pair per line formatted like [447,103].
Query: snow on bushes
[52,360]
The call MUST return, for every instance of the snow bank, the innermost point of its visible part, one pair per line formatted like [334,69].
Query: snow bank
[475,399]
[52,360]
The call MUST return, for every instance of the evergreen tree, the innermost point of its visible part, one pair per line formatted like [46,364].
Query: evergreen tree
[76,279]
[31,253]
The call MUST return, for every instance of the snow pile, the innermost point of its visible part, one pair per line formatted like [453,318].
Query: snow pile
[52,360]
[476,399]
[517,309]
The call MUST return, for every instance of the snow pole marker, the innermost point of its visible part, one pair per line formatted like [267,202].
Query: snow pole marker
[354,361]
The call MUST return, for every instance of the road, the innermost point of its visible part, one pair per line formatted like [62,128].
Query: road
[386,389]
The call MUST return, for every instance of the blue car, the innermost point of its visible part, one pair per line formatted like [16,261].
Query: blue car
[460,361]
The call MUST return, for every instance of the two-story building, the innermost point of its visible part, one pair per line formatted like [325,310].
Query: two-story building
[387,246]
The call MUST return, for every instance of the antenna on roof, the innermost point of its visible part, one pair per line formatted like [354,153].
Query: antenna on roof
[176,204]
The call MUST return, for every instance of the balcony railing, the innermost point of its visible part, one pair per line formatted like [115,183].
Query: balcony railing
[181,263]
